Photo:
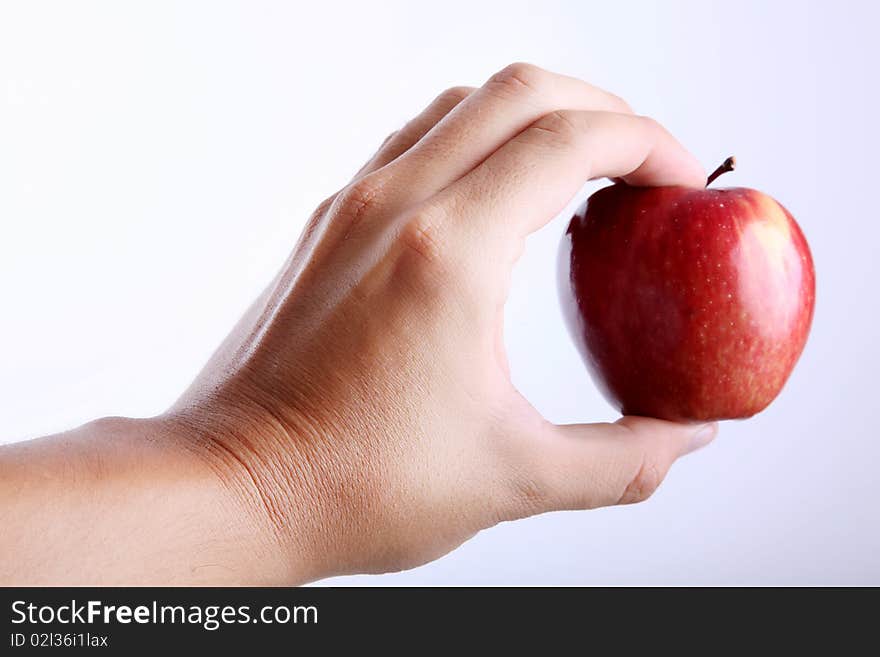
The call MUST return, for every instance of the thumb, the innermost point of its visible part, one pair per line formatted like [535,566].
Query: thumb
[584,466]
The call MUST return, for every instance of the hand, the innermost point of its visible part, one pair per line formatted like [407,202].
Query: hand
[362,411]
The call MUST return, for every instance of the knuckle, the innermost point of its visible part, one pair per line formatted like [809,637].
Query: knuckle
[519,77]
[323,207]
[424,258]
[420,236]
[453,96]
[316,219]
[651,128]
[651,124]
[387,140]
[361,198]
[565,123]
[646,481]
[557,127]
[621,105]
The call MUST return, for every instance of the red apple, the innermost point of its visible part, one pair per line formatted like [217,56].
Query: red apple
[687,304]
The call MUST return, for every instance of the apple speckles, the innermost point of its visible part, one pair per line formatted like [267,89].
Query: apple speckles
[676,321]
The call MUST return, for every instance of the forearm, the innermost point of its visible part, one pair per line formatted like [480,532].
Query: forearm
[361,416]
[121,501]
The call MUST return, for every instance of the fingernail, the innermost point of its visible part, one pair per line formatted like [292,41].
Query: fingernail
[702,437]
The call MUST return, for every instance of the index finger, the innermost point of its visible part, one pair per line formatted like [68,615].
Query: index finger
[531,178]
[504,106]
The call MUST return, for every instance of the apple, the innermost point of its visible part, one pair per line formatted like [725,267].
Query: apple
[687,304]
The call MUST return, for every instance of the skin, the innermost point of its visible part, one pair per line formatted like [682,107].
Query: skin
[360,416]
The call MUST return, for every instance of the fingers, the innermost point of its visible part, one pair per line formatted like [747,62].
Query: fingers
[592,465]
[397,143]
[505,105]
[394,145]
[531,178]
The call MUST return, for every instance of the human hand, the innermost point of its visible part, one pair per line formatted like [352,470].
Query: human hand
[362,409]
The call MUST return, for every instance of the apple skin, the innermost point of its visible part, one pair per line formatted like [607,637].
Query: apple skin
[687,304]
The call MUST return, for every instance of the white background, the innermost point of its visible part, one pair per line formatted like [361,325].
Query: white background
[157,163]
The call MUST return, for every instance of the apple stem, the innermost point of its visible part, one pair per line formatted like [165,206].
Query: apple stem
[728,165]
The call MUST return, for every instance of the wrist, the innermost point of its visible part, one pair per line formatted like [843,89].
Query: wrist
[198,511]
[260,502]
[125,502]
